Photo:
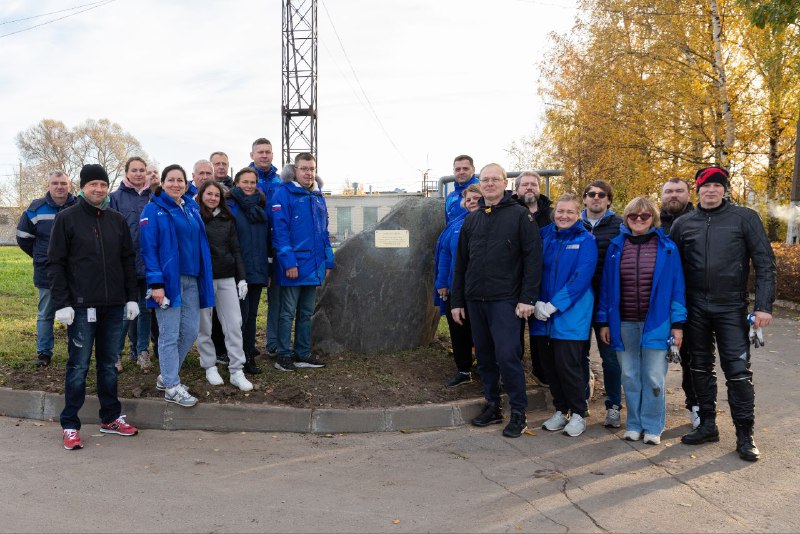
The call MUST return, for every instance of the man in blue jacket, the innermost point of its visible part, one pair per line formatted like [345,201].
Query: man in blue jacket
[304,259]
[268,181]
[464,173]
[33,237]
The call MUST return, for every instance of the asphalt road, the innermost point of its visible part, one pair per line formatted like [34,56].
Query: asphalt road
[455,480]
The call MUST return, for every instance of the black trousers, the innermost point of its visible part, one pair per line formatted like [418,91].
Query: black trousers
[728,327]
[461,339]
[562,363]
[536,362]
[686,378]
[249,307]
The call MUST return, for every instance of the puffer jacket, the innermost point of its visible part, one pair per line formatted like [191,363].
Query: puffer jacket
[33,233]
[667,308]
[570,256]
[223,242]
[444,259]
[254,238]
[160,249]
[604,231]
[300,235]
[716,247]
[499,255]
[131,204]
[452,203]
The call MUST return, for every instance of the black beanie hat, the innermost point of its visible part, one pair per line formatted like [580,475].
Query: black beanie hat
[92,172]
[709,175]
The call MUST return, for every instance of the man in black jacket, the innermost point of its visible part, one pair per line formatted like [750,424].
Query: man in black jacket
[90,265]
[496,281]
[675,203]
[717,242]
[603,224]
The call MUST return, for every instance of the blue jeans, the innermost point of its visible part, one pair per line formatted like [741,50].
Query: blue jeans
[44,323]
[177,331]
[644,373]
[138,343]
[299,301]
[273,315]
[495,331]
[104,336]
[612,379]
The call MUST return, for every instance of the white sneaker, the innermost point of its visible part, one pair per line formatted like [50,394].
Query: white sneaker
[613,417]
[180,396]
[694,416]
[576,426]
[652,439]
[212,375]
[556,422]
[240,381]
[632,435]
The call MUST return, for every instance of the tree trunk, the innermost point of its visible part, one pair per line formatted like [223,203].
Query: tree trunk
[792,236]
[722,88]
[773,130]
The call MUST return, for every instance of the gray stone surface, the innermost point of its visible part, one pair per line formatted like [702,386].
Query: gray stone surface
[21,403]
[379,299]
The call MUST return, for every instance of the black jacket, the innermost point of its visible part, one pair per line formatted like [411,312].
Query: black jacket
[543,209]
[499,255]
[668,218]
[226,256]
[716,247]
[90,262]
[604,231]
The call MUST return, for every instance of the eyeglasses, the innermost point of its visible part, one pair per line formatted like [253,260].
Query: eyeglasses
[490,180]
[306,169]
[644,217]
[598,194]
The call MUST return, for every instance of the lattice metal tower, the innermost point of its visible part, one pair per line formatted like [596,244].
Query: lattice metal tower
[299,78]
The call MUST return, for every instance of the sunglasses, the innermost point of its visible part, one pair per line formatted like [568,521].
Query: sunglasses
[644,217]
[598,194]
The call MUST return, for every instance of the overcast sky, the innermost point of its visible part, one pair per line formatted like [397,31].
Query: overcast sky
[187,77]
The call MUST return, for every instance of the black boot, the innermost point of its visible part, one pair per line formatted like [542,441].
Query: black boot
[492,414]
[745,445]
[250,366]
[707,432]
[516,426]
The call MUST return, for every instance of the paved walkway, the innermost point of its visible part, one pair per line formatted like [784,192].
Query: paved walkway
[453,480]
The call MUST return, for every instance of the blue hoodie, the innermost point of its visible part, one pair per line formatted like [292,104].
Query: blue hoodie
[569,260]
[300,235]
[445,259]
[452,204]
[667,296]
[161,249]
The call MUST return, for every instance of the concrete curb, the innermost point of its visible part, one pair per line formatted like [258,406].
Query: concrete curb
[157,414]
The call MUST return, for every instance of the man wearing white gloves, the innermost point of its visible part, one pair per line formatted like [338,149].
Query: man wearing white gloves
[90,266]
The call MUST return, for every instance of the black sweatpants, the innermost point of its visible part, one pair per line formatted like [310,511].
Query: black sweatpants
[461,339]
[561,360]
[706,324]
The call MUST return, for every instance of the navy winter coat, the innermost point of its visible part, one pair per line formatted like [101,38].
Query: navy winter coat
[253,243]
[33,233]
[130,204]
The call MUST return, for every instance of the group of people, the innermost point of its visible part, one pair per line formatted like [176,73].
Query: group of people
[197,254]
[654,285]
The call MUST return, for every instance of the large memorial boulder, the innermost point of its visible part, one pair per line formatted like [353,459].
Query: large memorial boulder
[380,298]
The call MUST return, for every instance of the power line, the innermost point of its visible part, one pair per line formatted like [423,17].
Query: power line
[361,87]
[93,6]
[45,14]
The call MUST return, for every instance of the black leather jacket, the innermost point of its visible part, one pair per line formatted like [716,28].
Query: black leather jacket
[716,247]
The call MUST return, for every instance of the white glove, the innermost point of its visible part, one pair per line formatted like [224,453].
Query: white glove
[131,310]
[538,311]
[241,287]
[549,309]
[65,315]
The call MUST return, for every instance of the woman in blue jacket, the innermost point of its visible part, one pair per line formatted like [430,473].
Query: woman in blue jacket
[248,205]
[178,271]
[564,313]
[642,305]
[445,263]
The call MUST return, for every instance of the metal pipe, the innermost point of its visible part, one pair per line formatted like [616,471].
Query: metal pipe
[544,173]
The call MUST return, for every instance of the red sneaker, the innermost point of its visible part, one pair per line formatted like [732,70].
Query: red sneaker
[119,426]
[72,439]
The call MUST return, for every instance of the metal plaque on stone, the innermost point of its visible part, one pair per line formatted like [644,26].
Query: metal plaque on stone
[391,239]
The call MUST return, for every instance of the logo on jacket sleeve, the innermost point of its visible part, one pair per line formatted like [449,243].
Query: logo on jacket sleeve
[276,207]
[144,221]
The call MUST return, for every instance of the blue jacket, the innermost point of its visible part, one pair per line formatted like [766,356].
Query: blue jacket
[253,243]
[159,246]
[452,204]
[667,296]
[130,205]
[268,181]
[445,259]
[300,235]
[569,260]
[33,233]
